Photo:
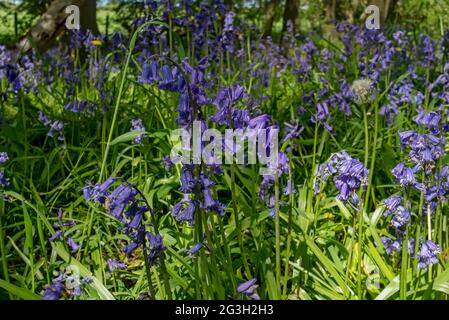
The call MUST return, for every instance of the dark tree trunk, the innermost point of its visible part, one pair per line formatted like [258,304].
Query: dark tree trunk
[291,13]
[88,11]
[270,13]
[386,7]
[52,23]
[390,18]
[229,4]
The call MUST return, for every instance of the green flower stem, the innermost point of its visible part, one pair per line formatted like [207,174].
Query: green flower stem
[277,233]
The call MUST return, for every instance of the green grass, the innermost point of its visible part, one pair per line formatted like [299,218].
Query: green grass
[316,246]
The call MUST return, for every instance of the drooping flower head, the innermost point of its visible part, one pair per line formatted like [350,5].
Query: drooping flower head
[249,288]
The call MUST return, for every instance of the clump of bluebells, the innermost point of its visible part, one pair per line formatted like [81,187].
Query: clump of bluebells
[349,176]
[125,204]
[420,173]
[55,126]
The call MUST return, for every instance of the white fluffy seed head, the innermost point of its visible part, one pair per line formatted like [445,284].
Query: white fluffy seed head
[363,91]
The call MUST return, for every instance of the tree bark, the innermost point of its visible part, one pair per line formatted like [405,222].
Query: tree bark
[270,13]
[330,14]
[385,8]
[291,13]
[88,11]
[52,23]
[229,4]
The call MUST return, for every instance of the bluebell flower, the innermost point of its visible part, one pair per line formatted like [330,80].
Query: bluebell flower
[129,248]
[156,247]
[292,131]
[401,218]
[138,126]
[392,203]
[98,192]
[349,175]
[185,213]
[3,157]
[431,120]
[184,110]
[168,80]
[150,73]
[195,248]
[289,188]
[427,255]
[55,290]
[188,181]
[225,102]
[56,235]
[167,162]
[112,265]
[249,288]
[260,122]
[404,175]
[391,245]
[55,126]
[72,244]
[80,106]
[120,198]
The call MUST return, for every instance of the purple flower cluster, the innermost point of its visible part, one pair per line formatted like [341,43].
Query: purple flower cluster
[427,250]
[56,127]
[138,126]
[123,204]
[68,284]
[425,151]
[227,114]
[184,211]
[113,264]
[401,215]
[60,227]
[80,106]
[349,175]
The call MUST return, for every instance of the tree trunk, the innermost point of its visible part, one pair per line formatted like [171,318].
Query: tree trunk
[88,12]
[385,6]
[330,14]
[229,4]
[291,13]
[350,11]
[329,10]
[52,23]
[270,13]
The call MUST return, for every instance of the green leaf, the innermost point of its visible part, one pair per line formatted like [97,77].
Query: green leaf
[379,261]
[327,264]
[19,292]
[126,137]
[391,289]
[441,283]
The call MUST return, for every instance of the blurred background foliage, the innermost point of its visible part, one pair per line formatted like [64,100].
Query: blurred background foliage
[269,16]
